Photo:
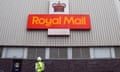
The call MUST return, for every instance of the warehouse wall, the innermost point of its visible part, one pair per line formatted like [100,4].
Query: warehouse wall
[103,65]
[104,24]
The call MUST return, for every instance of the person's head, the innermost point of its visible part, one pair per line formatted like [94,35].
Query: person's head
[39,59]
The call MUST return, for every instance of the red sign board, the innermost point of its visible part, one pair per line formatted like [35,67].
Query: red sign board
[46,21]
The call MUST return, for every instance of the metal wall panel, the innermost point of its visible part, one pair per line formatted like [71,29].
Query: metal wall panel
[104,31]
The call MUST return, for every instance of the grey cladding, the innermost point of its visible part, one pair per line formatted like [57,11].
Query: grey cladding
[104,31]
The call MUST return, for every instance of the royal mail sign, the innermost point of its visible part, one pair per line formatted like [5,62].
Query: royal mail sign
[69,21]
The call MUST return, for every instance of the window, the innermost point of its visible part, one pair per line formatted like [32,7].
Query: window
[80,53]
[117,52]
[33,53]
[102,52]
[14,52]
[0,52]
[58,53]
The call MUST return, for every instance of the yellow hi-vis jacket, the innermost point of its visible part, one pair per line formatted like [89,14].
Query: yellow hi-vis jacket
[39,66]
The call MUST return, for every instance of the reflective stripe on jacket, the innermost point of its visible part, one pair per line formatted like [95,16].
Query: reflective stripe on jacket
[39,66]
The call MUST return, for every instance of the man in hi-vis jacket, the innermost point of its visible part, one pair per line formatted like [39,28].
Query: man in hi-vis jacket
[39,65]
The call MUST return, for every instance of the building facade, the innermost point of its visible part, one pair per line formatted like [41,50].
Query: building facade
[101,42]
